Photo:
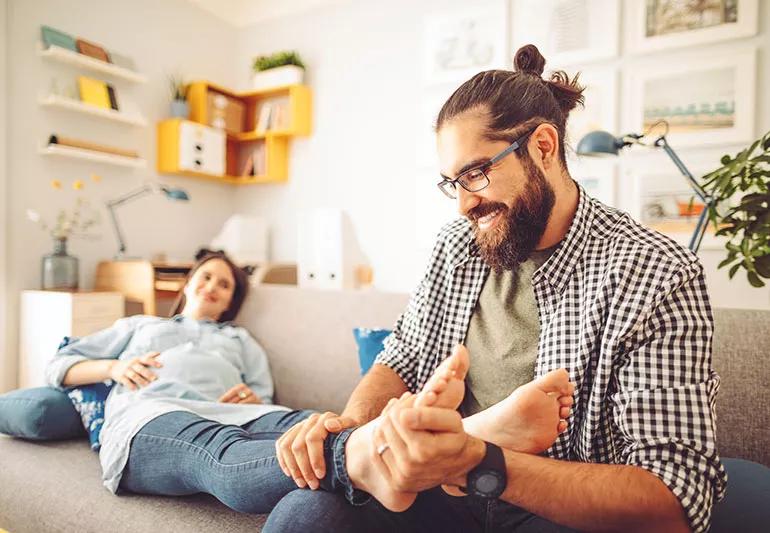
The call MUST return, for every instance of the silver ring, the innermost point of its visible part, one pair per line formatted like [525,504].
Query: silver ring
[382,448]
[243,395]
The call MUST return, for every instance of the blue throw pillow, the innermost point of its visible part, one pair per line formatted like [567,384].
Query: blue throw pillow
[89,402]
[42,413]
[369,345]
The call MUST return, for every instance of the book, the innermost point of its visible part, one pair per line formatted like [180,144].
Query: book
[248,168]
[54,37]
[94,92]
[263,122]
[92,50]
[113,98]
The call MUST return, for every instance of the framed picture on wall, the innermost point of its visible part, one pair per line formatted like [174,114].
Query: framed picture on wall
[601,104]
[663,199]
[661,24]
[567,32]
[706,99]
[461,43]
[597,176]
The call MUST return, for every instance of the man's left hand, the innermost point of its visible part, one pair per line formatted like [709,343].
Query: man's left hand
[423,447]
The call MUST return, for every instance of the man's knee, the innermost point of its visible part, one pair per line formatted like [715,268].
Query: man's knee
[305,510]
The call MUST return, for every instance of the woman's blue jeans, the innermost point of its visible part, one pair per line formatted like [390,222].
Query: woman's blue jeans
[181,453]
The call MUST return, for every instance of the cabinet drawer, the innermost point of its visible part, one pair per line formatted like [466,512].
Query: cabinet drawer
[81,328]
[107,306]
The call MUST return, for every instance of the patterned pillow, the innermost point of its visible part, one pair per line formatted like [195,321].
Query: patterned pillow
[89,403]
[369,345]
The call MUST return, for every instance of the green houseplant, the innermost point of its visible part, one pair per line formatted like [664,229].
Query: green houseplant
[278,69]
[178,87]
[745,222]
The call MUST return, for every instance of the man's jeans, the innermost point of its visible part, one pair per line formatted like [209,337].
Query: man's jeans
[181,453]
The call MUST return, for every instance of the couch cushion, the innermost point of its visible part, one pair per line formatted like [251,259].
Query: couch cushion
[741,351]
[57,487]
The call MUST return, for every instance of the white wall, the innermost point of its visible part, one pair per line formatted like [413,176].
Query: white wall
[172,36]
[364,62]
[4,338]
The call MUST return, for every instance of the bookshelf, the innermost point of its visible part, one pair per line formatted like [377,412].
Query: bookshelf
[62,55]
[259,126]
[70,104]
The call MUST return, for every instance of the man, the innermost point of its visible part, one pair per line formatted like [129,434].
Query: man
[536,277]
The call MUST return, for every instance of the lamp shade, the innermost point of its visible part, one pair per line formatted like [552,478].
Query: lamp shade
[599,143]
[175,194]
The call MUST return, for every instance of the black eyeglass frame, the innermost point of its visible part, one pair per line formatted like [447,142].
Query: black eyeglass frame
[449,186]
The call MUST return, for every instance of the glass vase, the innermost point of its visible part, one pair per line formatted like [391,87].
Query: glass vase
[59,270]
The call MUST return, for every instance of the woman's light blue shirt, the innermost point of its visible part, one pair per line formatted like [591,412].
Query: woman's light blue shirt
[201,361]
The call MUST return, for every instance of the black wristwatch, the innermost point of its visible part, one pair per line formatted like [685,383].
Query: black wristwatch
[489,478]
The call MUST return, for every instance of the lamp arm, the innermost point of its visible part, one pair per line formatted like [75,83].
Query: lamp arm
[136,193]
[118,233]
[663,143]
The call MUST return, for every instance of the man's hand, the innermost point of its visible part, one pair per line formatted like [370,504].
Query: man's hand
[300,450]
[241,393]
[135,373]
[426,447]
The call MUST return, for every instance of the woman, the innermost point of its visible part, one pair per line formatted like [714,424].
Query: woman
[191,409]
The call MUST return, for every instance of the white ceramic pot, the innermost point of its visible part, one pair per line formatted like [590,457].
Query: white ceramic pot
[276,77]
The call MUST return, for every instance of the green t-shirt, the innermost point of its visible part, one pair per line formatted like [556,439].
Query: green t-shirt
[503,335]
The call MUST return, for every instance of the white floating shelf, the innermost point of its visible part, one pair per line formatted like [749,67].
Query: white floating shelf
[92,155]
[70,104]
[63,55]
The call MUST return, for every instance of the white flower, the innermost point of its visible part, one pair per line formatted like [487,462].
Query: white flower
[33,215]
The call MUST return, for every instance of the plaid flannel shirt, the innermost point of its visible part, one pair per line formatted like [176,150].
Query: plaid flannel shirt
[622,308]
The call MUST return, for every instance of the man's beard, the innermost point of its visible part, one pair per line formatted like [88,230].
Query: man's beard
[514,237]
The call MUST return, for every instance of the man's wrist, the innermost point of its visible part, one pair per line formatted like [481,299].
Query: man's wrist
[473,453]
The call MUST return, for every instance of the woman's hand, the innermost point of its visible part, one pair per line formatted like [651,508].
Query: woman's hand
[135,373]
[241,393]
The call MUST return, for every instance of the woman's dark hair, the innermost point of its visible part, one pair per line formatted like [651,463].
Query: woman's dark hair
[518,100]
[240,290]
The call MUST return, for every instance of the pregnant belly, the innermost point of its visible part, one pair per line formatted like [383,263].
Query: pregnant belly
[194,372]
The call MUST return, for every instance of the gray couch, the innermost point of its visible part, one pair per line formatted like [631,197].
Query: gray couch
[55,486]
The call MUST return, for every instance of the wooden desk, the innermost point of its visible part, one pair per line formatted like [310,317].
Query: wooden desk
[155,285]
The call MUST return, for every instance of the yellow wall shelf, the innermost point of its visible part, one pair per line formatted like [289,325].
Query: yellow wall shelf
[295,102]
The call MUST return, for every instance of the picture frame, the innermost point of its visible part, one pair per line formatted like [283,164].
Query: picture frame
[600,109]
[598,176]
[464,42]
[567,32]
[713,104]
[661,194]
[654,25]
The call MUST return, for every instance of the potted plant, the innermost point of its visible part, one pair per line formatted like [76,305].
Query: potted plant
[745,222]
[275,70]
[59,270]
[179,107]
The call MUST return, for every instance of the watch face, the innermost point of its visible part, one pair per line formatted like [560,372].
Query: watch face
[487,483]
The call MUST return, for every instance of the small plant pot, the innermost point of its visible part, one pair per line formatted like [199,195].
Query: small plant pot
[276,77]
[179,109]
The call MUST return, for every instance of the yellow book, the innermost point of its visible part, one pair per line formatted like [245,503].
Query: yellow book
[94,92]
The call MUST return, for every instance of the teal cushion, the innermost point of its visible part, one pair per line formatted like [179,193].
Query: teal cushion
[42,413]
[370,342]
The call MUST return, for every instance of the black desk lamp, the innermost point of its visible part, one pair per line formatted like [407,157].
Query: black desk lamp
[601,143]
[170,192]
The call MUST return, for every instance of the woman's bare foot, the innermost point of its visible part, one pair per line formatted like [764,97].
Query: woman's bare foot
[445,388]
[530,419]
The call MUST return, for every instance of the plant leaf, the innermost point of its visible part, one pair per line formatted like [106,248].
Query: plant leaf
[754,280]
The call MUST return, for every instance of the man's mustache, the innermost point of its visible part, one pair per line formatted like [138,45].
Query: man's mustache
[483,210]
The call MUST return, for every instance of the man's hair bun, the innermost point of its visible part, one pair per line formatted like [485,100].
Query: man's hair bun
[529,60]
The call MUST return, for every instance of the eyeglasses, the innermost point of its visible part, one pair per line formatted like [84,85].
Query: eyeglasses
[476,179]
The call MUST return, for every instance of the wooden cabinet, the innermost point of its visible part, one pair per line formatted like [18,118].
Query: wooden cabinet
[257,127]
[49,316]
